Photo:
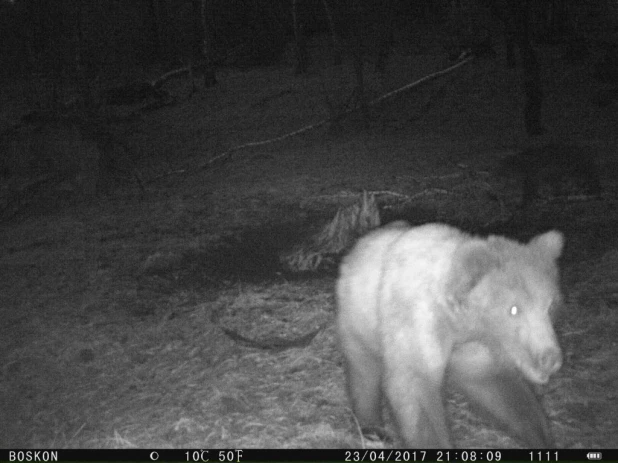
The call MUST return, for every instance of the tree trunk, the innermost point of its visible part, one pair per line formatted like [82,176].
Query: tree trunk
[155,11]
[299,41]
[336,45]
[203,43]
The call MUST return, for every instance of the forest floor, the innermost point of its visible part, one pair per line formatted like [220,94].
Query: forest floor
[117,310]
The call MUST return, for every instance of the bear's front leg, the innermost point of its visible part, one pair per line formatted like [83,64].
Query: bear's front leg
[499,391]
[413,388]
[364,382]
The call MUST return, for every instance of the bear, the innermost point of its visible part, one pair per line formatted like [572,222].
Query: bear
[423,308]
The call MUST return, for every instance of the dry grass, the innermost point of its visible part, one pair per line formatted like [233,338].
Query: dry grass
[336,237]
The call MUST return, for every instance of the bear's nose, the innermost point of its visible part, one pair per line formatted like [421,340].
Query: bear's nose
[551,360]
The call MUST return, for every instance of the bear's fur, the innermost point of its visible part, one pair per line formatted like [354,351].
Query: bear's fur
[420,307]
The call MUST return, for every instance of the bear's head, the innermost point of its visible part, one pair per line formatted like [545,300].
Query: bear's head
[506,294]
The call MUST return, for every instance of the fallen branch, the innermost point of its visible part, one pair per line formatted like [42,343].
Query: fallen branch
[391,94]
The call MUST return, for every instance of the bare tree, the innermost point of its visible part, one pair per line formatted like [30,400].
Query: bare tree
[336,45]
[515,14]
[360,28]
[365,28]
[302,57]
[203,48]
[157,23]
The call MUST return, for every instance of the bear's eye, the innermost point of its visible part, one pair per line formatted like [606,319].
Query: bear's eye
[514,310]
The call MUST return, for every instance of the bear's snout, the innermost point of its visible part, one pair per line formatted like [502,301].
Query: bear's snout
[550,360]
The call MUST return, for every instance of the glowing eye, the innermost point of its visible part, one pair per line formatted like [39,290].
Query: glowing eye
[514,310]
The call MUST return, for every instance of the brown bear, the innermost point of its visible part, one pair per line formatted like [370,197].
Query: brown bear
[421,307]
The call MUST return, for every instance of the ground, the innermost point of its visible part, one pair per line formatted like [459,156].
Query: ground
[117,308]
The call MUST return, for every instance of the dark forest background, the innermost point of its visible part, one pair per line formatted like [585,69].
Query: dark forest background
[87,39]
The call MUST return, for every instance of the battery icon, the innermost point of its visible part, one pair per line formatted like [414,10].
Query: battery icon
[594,456]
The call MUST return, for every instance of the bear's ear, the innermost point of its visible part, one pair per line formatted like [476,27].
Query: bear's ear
[550,244]
[471,263]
